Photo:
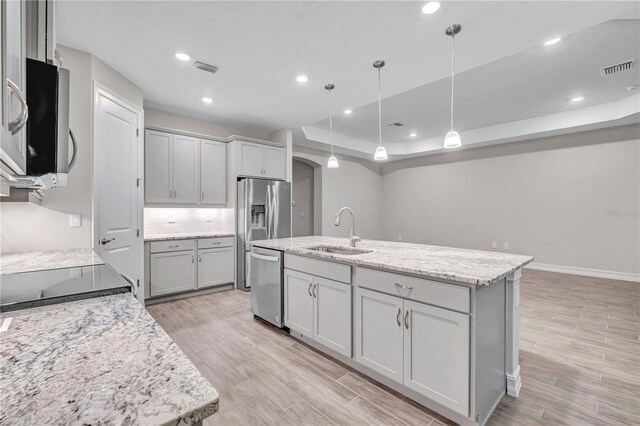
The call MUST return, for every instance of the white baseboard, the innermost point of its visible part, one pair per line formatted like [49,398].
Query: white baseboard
[598,273]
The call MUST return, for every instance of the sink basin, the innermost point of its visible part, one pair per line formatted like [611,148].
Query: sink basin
[348,251]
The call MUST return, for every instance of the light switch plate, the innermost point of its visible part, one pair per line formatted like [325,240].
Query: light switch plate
[209,218]
[172,219]
[506,246]
[75,220]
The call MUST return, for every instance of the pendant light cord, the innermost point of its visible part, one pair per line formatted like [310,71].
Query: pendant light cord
[330,124]
[453,41]
[379,110]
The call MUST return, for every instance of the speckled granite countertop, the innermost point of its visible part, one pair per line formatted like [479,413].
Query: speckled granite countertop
[97,361]
[12,263]
[185,235]
[446,263]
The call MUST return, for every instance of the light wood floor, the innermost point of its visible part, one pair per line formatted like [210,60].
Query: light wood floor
[579,354]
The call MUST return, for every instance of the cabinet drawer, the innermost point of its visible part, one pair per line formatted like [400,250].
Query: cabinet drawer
[319,268]
[172,245]
[215,242]
[449,296]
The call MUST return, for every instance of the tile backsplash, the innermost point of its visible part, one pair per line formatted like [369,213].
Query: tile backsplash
[187,220]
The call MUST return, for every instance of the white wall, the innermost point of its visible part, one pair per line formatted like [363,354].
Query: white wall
[548,198]
[25,226]
[356,184]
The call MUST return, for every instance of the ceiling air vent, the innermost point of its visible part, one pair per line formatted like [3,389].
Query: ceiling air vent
[396,124]
[205,67]
[614,69]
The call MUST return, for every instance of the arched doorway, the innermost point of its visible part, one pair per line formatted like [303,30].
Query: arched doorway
[306,197]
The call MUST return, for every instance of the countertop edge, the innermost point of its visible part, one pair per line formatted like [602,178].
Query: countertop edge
[185,237]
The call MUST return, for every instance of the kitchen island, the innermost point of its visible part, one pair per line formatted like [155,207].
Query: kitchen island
[437,324]
[97,361]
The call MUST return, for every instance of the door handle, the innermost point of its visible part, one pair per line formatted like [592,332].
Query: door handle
[202,196]
[406,320]
[199,258]
[72,162]
[309,289]
[16,125]
[105,241]
[398,317]
[263,257]
[192,259]
[314,290]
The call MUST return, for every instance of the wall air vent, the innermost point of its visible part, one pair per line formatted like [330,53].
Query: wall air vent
[396,124]
[205,67]
[614,69]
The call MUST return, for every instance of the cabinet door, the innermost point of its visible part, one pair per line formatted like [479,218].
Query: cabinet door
[213,183]
[298,302]
[186,170]
[436,354]
[274,162]
[157,167]
[172,272]
[13,49]
[250,159]
[379,333]
[215,266]
[332,315]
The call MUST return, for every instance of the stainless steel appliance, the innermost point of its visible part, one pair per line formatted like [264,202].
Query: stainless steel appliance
[265,274]
[264,213]
[48,132]
[38,288]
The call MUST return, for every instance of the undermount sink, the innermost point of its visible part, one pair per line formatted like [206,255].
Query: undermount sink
[349,251]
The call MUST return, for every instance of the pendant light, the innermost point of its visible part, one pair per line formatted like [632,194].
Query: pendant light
[452,140]
[381,151]
[332,162]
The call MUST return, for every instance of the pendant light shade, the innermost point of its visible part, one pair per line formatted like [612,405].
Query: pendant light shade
[332,162]
[452,140]
[381,151]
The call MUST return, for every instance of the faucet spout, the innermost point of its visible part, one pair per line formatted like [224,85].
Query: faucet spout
[352,237]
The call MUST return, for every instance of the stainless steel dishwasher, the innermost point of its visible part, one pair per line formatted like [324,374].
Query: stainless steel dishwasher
[265,274]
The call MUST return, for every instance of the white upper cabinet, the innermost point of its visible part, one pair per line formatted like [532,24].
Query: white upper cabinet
[157,167]
[13,86]
[265,161]
[213,188]
[185,165]
[184,170]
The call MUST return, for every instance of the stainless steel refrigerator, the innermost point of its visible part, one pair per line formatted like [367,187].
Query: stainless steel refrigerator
[264,212]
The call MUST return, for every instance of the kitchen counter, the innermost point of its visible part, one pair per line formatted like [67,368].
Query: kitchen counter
[12,263]
[97,361]
[186,235]
[471,267]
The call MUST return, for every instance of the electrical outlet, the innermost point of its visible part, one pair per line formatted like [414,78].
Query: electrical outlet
[506,246]
[399,237]
[494,245]
[172,219]
[209,218]
[75,220]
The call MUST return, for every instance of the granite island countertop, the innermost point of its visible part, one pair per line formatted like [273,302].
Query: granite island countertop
[97,361]
[13,263]
[186,235]
[469,267]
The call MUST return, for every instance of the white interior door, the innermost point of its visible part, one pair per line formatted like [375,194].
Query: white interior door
[117,206]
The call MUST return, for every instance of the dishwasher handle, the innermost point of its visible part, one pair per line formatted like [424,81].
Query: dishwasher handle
[263,257]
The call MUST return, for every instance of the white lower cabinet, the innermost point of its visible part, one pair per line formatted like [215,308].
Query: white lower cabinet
[172,272]
[436,354]
[215,266]
[319,309]
[421,346]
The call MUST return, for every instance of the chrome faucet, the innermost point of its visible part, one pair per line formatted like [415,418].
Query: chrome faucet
[352,238]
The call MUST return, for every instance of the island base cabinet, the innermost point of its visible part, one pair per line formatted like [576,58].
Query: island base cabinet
[318,308]
[215,266]
[436,354]
[379,333]
[172,272]
[298,302]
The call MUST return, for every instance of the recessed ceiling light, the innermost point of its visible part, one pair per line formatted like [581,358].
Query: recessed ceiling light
[430,7]
[413,134]
[207,100]
[577,99]
[348,111]
[181,56]
[552,41]
[302,78]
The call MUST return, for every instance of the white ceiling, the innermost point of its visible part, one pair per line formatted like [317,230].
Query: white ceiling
[261,46]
